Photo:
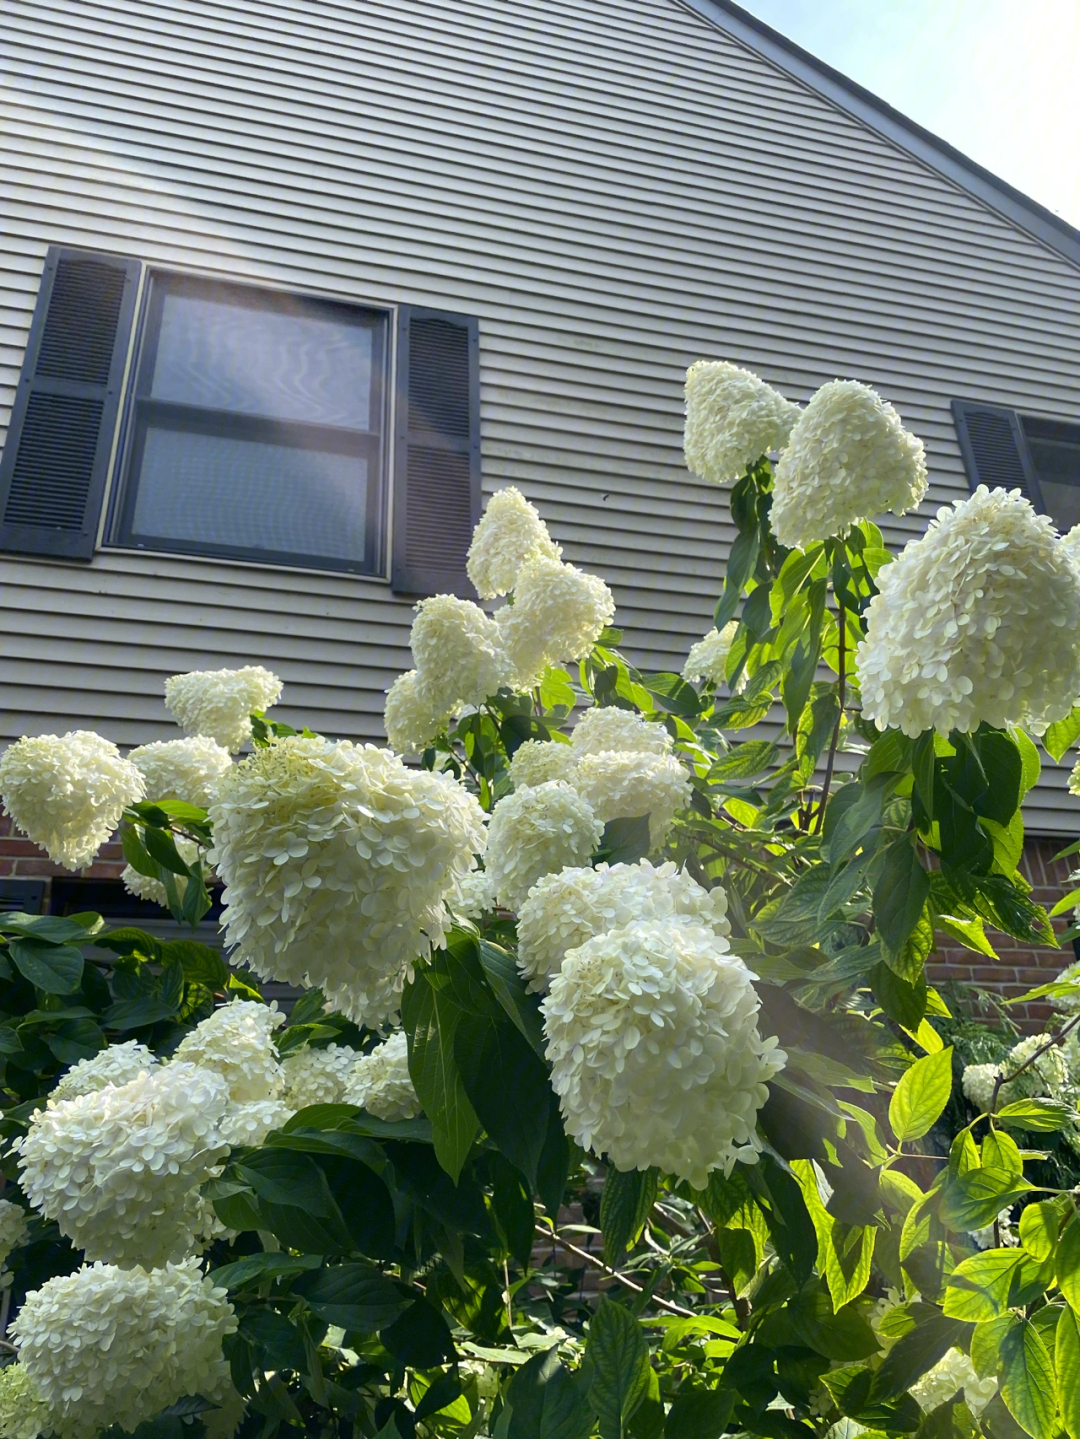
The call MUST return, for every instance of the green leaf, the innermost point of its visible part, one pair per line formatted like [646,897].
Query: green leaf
[673,692]
[904,1002]
[617,1360]
[1039,1225]
[50,928]
[504,979]
[200,962]
[547,1402]
[973,1200]
[900,896]
[258,1267]
[136,853]
[1068,1263]
[624,841]
[355,1296]
[741,561]
[921,1095]
[55,969]
[743,761]
[1067,1367]
[161,846]
[624,1207]
[420,1338]
[1061,734]
[278,1344]
[1027,1380]
[933,1335]
[283,1176]
[430,1018]
[506,1083]
[1036,1114]
[989,1284]
[699,1414]
[923,764]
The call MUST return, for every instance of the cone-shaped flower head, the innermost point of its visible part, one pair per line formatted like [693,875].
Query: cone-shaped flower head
[558,613]
[337,859]
[655,1052]
[536,831]
[237,1042]
[564,910]
[605,728]
[220,703]
[978,620]
[411,723]
[510,533]
[67,792]
[186,769]
[539,760]
[110,1346]
[732,419]
[708,657]
[380,1081]
[849,458]
[459,653]
[317,1076]
[119,1169]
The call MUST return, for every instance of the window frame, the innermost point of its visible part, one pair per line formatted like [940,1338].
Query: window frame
[141,411]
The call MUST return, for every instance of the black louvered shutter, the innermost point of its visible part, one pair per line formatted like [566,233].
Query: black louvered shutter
[22,896]
[994,449]
[55,462]
[437,465]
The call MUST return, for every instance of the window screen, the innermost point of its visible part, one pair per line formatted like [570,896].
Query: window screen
[256,428]
[1054,448]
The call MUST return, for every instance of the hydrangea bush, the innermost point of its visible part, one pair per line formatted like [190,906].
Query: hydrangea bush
[613,1099]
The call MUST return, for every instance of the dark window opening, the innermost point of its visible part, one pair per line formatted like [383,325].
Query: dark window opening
[1054,448]
[256,428]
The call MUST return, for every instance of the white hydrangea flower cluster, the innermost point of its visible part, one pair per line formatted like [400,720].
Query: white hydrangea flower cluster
[510,533]
[250,1123]
[458,651]
[409,720]
[23,1412]
[1048,1077]
[536,831]
[474,896]
[379,1082]
[978,1082]
[622,785]
[119,1168]
[604,729]
[707,659]
[116,1346]
[144,886]
[1006,1237]
[564,910]
[237,1042]
[115,1065]
[1068,1003]
[655,1051]
[185,769]
[67,792]
[538,760]
[978,620]
[848,458]
[948,1376]
[558,614]
[337,859]
[732,419]
[317,1076]
[220,703]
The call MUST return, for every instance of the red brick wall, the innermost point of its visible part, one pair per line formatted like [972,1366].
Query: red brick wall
[23,860]
[1017,970]
[1019,967]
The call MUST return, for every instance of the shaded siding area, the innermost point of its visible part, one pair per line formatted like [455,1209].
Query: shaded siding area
[615,188]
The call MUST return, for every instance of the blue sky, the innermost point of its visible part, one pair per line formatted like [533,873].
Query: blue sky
[999,79]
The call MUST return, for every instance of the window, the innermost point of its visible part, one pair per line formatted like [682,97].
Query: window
[158,410]
[256,429]
[1040,457]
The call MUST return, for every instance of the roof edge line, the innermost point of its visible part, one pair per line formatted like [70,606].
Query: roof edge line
[879,115]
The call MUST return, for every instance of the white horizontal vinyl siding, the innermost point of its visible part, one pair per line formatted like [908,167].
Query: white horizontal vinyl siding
[615,188]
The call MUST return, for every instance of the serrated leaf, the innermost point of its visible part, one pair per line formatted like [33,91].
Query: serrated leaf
[53,968]
[617,1360]
[1039,1225]
[921,1095]
[547,1402]
[355,1296]
[624,1207]
[1027,1380]
[1068,1263]
[1044,1115]
[1067,1369]
[1061,734]
[973,1200]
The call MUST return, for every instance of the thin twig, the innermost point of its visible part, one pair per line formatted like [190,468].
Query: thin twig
[614,1274]
[1059,1038]
[842,674]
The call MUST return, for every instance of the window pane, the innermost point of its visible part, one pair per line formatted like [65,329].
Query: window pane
[286,363]
[1055,453]
[246,494]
